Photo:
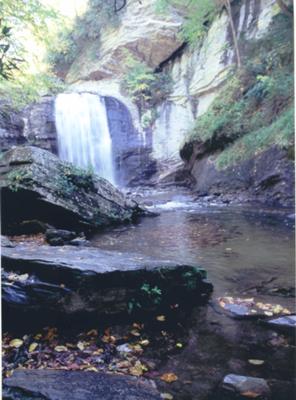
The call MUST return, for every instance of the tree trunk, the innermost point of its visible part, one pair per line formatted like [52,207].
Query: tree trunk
[235,41]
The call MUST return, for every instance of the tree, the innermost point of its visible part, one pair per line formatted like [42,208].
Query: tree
[8,61]
[227,5]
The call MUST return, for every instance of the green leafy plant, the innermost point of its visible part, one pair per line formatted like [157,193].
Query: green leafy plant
[198,15]
[148,296]
[17,177]
[72,178]
[146,88]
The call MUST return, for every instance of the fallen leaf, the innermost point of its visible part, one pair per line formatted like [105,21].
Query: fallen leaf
[135,333]
[250,394]
[160,318]
[268,313]
[33,347]
[81,346]
[98,352]
[138,369]
[16,343]
[166,396]
[38,336]
[59,349]
[92,332]
[179,345]
[144,342]
[169,377]
[256,362]
[93,369]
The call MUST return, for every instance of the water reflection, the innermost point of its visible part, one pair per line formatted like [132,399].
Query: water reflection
[238,247]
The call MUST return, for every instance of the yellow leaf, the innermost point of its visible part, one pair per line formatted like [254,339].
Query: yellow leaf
[160,318]
[16,343]
[144,342]
[256,362]
[98,352]
[166,396]
[80,346]
[38,336]
[169,377]
[138,369]
[94,369]
[92,332]
[59,349]
[33,347]
[135,333]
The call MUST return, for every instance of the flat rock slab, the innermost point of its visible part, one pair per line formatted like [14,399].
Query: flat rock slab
[84,259]
[287,322]
[74,385]
[71,280]
[246,386]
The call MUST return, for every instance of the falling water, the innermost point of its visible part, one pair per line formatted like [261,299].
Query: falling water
[83,132]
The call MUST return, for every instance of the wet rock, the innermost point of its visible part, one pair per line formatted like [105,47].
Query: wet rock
[65,385]
[57,193]
[82,281]
[11,127]
[266,178]
[288,322]
[246,386]
[59,237]
[5,242]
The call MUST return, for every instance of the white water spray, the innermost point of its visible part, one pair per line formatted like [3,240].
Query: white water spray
[83,133]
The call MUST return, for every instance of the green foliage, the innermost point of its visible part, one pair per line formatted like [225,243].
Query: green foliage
[146,88]
[253,103]
[71,179]
[280,133]
[16,177]
[28,88]
[148,296]
[69,41]
[198,14]
[8,62]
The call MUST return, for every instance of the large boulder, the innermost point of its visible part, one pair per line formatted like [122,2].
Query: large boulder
[37,185]
[81,282]
[63,385]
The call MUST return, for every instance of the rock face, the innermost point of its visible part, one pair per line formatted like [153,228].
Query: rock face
[63,385]
[11,127]
[39,126]
[267,178]
[54,192]
[75,281]
[148,36]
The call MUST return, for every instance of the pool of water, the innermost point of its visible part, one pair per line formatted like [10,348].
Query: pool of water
[240,247]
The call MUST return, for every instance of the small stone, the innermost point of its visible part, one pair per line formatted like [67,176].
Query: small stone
[246,386]
[124,348]
[284,322]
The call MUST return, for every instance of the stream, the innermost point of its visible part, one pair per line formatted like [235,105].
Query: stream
[247,252]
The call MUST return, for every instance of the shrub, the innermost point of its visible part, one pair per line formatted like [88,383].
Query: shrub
[146,88]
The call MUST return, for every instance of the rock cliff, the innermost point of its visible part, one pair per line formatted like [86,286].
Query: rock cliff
[198,75]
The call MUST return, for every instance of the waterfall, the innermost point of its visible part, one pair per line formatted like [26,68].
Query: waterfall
[83,133]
